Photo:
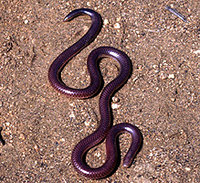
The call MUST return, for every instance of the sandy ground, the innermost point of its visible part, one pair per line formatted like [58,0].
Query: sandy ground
[40,127]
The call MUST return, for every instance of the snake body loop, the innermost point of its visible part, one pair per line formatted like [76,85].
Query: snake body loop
[105,129]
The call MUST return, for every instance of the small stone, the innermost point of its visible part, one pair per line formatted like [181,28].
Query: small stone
[85,28]
[106,22]
[88,3]
[117,26]
[187,169]
[155,66]
[115,106]
[36,148]
[118,19]
[163,75]
[151,154]
[115,100]
[22,136]
[72,115]
[140,67]
[171,76]
[173,99]
[7,124]
[7,132]
[135,79]
[196,52]
[87,123]
[137,32]
[98,154]
[26,21]
[62,140]
[72,104]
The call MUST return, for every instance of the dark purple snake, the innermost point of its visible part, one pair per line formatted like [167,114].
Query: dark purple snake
[105,129]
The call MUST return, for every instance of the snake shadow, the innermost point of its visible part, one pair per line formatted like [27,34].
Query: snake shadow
[1,138]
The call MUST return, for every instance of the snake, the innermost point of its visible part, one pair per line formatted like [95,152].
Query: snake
[105,130]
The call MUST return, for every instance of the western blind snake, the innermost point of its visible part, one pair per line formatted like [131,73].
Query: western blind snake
[105,129]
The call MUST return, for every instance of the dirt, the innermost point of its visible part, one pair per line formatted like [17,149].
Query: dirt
[40,126]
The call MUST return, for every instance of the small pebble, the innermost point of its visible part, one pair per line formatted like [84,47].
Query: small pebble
[173,99]
[85,28]
[115,100]
[115,106]
[87,123]
[151,154]
[72,104]
[7,124]
[106,22]
[163,75]
[88,3]
[187,169]
[36,148]
[26,21]
[171,76]
[98,154]
[72,115]
[118,19]
[117,26]
[21,136]
[196,52]
[62,140]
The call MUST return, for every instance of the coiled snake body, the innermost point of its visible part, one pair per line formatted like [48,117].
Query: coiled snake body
[105,129]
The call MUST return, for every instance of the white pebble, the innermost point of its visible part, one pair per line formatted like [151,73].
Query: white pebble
[7,124]
[88,3]
[72,115]
[172,99]
[21,136]
[98,154]
[118,19]
[117,26]
[115,100]
[196,52]
[115,106]
[72,104]
[87,123]
[106,22]
[163,75]
[25,21]
[62,140]
[151,154]
[171,76]
[187,169]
